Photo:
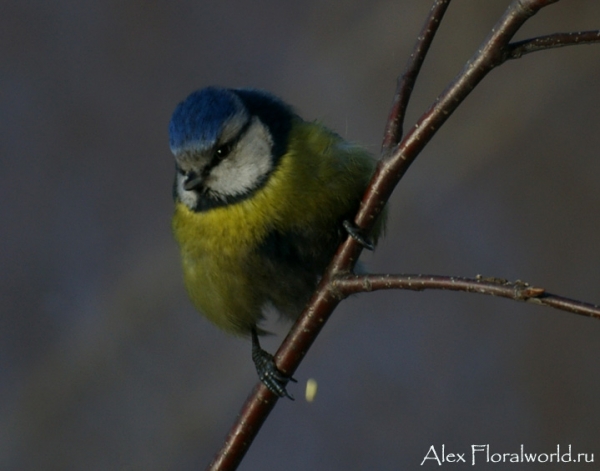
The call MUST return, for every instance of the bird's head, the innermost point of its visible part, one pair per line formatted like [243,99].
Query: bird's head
[226,143]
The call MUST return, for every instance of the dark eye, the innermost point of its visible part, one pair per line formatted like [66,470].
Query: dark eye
[223,150]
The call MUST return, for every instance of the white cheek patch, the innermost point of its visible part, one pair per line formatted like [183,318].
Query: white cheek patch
[246,166]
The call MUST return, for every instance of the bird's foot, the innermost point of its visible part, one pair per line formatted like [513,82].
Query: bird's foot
[358,235]
[267,371]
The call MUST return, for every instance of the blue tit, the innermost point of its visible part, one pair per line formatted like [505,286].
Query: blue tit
[262,200]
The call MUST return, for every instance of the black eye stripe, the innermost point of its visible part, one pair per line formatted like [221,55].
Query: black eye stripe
[223,150]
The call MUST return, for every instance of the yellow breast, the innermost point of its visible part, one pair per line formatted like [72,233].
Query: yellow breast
[319,179]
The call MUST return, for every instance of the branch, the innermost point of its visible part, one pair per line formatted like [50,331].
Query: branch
[406,83]
[489,55]
[392,167]
[518,49]
[515,290]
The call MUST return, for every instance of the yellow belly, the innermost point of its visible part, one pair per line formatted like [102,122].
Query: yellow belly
[319,180]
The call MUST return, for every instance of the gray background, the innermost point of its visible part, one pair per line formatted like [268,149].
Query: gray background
[103,362]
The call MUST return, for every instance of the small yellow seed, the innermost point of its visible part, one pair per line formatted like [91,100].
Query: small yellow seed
[311,390]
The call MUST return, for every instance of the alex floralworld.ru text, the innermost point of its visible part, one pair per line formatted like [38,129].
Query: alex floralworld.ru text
[482,454]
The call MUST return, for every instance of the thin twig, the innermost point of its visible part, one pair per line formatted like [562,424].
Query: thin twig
[489,55]
[406,82]
[255,411]
[518,49]
[515,290]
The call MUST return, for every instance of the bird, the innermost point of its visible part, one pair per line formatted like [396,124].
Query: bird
[262,199]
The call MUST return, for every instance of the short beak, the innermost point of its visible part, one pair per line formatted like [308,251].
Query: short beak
[192,182]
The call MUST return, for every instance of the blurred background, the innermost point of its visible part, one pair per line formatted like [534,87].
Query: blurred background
[104,364]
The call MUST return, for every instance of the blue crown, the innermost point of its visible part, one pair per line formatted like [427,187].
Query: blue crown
[198,120]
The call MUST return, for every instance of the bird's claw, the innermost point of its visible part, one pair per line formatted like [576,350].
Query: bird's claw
[268,372]
[358,235]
